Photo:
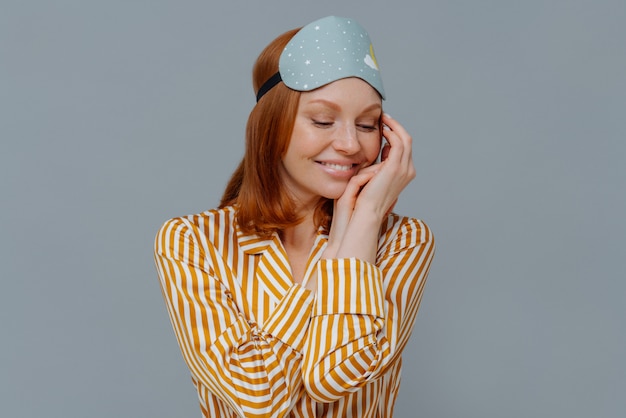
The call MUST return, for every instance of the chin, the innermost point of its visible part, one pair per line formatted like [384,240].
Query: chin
[334,193]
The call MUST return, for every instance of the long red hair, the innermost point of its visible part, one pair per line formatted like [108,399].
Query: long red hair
[256,187]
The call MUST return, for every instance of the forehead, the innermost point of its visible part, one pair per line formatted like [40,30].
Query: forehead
[348,92]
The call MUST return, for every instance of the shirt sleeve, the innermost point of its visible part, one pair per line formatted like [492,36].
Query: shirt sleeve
[364,313]
[254,368]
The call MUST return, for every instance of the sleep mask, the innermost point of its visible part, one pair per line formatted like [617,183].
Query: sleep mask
[324,51]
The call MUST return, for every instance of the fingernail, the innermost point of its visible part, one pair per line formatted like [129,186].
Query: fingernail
[388,115]
[386,128]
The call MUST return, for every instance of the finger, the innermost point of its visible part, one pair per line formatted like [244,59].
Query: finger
[399,139]
[385,152]
[361,178]
[396,154]
[394,144]
[354,186]
[372,169]
[394,125]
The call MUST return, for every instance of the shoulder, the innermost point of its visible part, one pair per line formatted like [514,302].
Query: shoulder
[208,226]
[399,233]
[396,225]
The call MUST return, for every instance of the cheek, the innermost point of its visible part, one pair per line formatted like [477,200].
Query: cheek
[373,149]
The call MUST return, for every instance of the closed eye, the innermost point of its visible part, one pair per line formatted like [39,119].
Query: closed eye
[367,128]
[322,124]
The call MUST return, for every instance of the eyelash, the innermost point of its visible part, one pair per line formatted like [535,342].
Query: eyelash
[322,124]
[366,128]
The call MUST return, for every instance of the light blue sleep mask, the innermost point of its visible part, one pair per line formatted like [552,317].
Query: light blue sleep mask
[324,51]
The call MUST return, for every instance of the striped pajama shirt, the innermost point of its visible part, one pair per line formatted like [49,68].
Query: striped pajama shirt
[259,345]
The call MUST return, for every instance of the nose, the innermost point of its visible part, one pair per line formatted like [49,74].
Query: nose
[346,140]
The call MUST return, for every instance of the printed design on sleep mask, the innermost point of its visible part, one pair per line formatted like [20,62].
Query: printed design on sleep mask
[324,51]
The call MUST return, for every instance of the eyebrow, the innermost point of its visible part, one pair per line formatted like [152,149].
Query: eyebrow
[333,105]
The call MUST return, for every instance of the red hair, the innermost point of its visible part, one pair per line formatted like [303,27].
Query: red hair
[256,187]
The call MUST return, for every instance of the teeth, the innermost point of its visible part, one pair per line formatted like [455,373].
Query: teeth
[338,167]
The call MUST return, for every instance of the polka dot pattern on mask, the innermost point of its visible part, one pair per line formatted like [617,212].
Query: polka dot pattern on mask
[327,50]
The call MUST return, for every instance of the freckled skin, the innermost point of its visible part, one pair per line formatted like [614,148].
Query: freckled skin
[336,133]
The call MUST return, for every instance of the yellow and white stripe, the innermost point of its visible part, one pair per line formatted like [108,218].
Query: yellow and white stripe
[259,345]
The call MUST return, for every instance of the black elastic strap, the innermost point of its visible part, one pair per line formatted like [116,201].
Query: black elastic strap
[273,80]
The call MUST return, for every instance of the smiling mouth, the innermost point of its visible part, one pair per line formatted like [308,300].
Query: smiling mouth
[339,167]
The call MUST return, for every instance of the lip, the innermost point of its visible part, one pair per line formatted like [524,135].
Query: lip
[339,169]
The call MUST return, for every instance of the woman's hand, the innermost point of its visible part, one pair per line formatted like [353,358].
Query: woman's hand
[370,196]
[343,209]
[392,175]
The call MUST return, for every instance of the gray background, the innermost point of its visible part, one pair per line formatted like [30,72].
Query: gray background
[116,115]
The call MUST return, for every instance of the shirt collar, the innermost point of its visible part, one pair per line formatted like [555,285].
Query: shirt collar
[251,243]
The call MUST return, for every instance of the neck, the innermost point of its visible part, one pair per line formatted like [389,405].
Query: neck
[301,236]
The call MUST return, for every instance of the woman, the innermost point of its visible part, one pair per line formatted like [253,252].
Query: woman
[297,295]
